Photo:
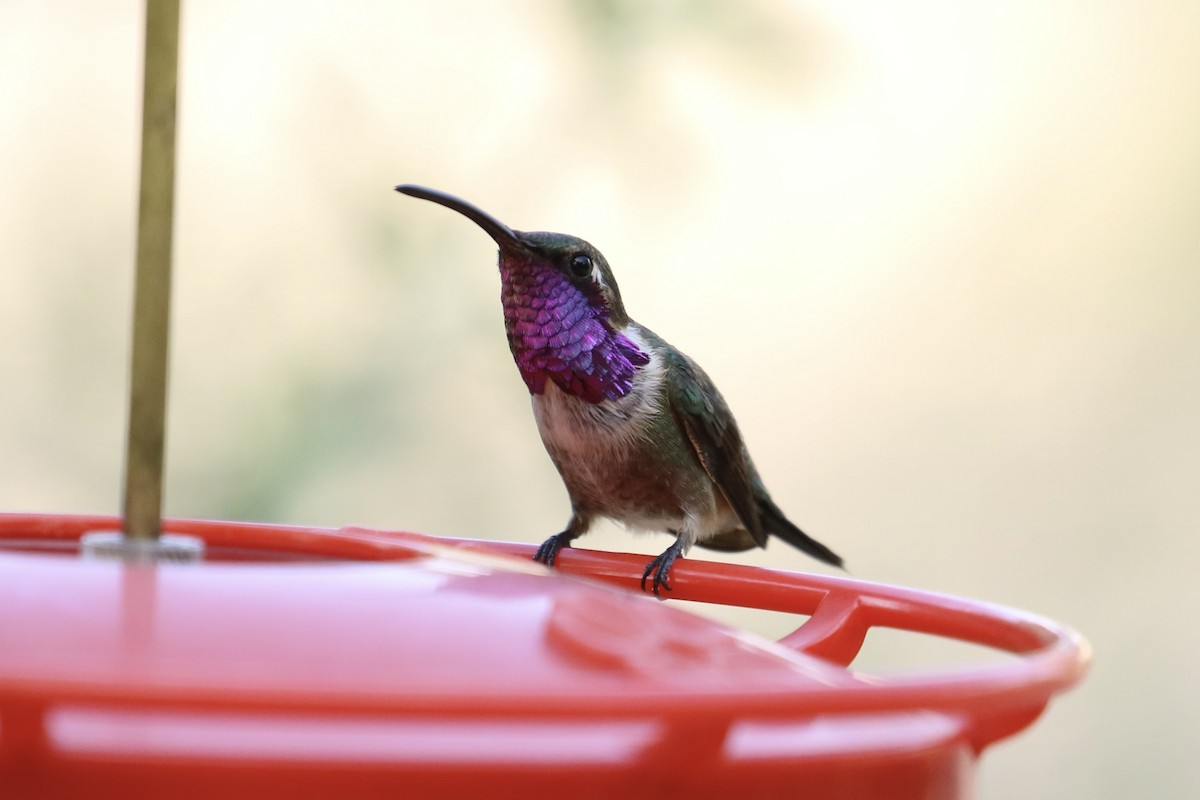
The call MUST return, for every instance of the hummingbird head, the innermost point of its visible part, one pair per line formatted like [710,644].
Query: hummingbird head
[562,308]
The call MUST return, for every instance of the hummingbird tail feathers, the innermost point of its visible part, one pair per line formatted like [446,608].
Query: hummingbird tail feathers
[775,523]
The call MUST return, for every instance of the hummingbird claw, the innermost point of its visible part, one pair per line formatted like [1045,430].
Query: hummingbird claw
[549,549]
[660,567]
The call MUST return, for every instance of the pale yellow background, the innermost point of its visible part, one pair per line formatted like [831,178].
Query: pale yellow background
[943,258]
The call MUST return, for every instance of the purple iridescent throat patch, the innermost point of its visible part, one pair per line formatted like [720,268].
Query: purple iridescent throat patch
[558,332]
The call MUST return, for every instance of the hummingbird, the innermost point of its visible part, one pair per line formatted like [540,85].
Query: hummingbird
[637,430]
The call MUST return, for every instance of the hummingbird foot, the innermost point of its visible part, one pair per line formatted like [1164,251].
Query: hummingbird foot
[549,549]
[548,552]
[660,568]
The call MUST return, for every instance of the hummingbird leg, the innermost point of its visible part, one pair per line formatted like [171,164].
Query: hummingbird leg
[549,550]
[660,568]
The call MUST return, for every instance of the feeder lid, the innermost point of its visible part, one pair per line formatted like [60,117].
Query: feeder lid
[433,630]
[388,623]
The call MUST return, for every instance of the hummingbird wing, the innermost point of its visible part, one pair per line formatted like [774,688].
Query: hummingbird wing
[710,428]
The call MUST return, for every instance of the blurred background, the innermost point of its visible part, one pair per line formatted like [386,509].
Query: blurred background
[943,260]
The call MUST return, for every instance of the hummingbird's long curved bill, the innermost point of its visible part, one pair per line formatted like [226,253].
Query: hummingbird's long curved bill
[504,235]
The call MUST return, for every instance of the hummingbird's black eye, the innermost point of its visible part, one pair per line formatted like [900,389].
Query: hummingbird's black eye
[581,265]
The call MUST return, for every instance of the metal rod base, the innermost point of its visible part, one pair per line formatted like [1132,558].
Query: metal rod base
[173,547]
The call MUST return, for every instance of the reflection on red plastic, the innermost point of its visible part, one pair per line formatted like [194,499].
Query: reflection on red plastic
[361,663]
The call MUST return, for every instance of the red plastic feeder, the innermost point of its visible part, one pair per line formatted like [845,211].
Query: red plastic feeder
[302,662]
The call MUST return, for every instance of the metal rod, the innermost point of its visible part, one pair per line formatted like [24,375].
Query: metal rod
[152,286]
